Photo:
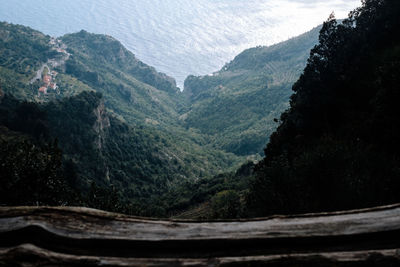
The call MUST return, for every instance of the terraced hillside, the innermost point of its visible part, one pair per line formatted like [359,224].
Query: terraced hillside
[136,133]
[237,105]
[116,119]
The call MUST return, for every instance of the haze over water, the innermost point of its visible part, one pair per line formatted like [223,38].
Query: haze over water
[179,37]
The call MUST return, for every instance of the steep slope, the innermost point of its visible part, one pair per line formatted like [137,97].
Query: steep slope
[97,150]
[237,105]
[31,172]
[143,97]
[28,60]
[82,62]
[22,51]
[137,162]
[130,88]
[42,69]
[338,145]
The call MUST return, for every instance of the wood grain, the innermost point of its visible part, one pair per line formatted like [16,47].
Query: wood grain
[33,236]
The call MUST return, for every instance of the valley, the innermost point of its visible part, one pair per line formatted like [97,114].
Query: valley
[109,106]
[97,127]
[286,156]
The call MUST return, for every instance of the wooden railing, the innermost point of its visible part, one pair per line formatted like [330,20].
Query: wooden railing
[53,236]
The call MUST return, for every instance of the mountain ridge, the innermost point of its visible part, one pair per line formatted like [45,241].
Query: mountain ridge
[134,136]
[237,105]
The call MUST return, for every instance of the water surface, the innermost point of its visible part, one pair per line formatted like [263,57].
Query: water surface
[178,37]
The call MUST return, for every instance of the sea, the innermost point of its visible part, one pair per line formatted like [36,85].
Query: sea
[178,37]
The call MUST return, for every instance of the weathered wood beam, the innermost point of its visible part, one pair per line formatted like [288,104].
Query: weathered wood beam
[67,235]
[30,255]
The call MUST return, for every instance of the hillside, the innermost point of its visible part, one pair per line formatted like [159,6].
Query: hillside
[237,105]
[337,147]
[132,91]
[22,51]
[96,149]
[141,96]
[115,118]
[108,131]
[131,88]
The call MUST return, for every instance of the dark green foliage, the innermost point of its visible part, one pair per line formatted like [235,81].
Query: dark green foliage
[236,106]
[82,72]
[147,149]
[206,198]
[22,51]
[30,162]
[149,100]
[30,174]
[104,198]
[337,146]
[130,87]
[24,117]
[138,161]
[132,165]
[130,140]
[104,164]
[22,48]
[72,121]
[105,150]
[225,205]
[135,93]
[112,52]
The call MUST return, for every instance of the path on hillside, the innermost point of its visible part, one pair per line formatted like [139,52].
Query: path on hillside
[39,73]
[53,62]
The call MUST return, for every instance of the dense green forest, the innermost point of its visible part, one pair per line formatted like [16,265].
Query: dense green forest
[130,132]
[337,146]
[130,88]
[71,152]
[237,105]
[130,140]
[117,135]
[76,146]
[31,161]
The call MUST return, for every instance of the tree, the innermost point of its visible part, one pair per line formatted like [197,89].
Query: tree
[30,174]
[225,205]
[337,145]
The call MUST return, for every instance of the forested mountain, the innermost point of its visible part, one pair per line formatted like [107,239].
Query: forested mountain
[92,149]
[114,117]
[337,147]
[133,92]
[22,51]
[130,88]
[237,105]
[30,168]
[84,122]
[138,94]
[126,132]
